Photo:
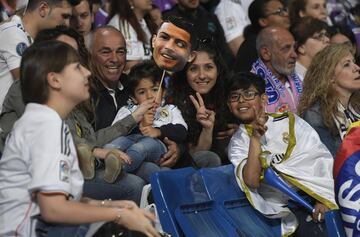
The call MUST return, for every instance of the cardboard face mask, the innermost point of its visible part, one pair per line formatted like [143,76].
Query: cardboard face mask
[172,47]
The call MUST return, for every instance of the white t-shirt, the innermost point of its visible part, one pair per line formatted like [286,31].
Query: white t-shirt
[164,115]
[136,50]
[233,17]
[13,42]
[39,156]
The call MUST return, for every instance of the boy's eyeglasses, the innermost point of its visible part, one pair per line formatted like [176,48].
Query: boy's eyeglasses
[280,12]
[246,95]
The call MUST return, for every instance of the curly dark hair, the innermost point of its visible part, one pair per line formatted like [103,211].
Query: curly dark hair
[179,91]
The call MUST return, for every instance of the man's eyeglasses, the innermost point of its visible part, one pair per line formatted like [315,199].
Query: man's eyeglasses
[246,95]
[321,36]
[280,12]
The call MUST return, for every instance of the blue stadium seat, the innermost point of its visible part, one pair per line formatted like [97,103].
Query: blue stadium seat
[204,220]
[184,207]
[221,185]
[173,188]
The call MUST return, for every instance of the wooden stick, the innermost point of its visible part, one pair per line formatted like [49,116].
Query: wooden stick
[158,93]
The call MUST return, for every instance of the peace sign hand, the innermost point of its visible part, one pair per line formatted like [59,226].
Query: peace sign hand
[260,120]
[204,116]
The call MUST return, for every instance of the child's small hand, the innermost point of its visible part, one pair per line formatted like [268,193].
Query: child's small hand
[319,212]
[122,155]
[260,120]
[148,118]
[144,107]
[150,131]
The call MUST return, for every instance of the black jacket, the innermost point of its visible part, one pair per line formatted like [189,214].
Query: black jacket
[105,109]
[246,54]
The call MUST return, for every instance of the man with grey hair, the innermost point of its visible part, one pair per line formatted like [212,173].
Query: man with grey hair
[276,64]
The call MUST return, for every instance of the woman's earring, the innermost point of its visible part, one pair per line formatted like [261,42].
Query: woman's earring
[131,7]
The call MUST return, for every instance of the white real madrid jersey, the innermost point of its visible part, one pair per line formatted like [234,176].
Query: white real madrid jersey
[167,114]
[13,42]
[39,156]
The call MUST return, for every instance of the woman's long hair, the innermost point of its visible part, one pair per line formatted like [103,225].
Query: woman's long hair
[123,9]
[318,84]
[214,100]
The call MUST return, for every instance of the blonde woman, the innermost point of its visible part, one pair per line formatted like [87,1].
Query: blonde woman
[328,101]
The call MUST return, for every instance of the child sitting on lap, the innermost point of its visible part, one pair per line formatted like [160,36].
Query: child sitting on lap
[159,123]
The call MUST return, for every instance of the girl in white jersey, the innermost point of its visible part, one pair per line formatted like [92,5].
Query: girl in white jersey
[39,174]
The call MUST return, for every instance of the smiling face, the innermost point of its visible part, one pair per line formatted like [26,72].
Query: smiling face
[146,90]
[172,48]
[347,76]
[109,55]
[202,73]
[243,109]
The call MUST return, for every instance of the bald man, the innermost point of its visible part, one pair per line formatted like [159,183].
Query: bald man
[276,64]
[109,59]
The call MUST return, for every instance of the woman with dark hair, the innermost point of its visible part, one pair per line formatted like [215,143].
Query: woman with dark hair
[198,91]
[311,8]
[40,178]
[132,19]
[262,13]
[311,36]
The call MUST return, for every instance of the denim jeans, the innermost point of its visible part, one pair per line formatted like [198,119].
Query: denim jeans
[126,187]
[44,229]
[139,148]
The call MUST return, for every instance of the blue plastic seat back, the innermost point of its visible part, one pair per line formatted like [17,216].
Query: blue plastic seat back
[203,220]
[172,189]
[249,221]
[221,185]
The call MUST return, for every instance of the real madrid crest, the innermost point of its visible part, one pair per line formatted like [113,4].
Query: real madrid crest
[285,137]
[164,113]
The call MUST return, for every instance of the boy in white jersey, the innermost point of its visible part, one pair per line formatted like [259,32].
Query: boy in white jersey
[41,183]
[286,143]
